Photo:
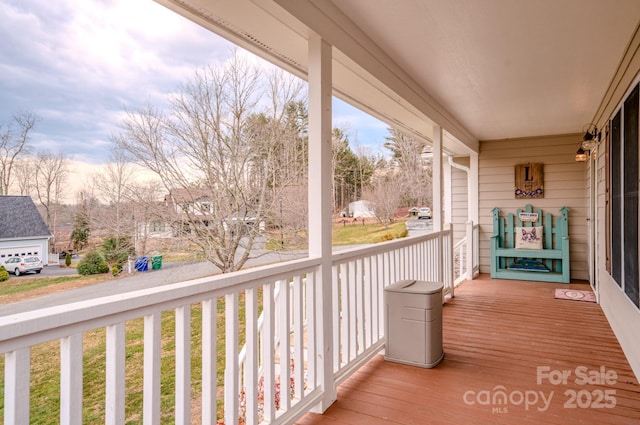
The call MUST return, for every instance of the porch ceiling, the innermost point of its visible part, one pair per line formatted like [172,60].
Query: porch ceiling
[481,69]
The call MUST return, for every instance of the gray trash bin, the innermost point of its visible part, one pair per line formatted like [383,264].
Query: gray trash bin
[413,323]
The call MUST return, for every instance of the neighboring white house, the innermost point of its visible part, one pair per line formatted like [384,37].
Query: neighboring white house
[22,229]
[179,211]
[361,209]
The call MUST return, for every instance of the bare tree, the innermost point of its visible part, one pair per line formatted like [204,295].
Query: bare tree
[281,137]
[209,151]
[412,163]
[386,197]
[292,209]
[24,171]
[51,171]
[147,209]
[113,185]
[14,138]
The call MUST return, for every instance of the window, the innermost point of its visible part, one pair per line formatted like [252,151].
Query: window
[157,226]
[205,208]
[187,207]
[622,212]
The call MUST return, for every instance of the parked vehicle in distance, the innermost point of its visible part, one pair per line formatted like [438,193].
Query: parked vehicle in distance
[21,265]
[63,254]
[424,212]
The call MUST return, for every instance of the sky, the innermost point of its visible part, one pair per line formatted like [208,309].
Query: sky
[78,65]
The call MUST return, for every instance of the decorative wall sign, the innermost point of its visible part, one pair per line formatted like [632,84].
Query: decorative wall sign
[529,181]
[527,216]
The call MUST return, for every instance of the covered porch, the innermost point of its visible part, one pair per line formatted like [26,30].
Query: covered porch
[500,337]
[317,324]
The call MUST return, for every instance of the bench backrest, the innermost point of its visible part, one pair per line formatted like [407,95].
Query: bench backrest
[552,233]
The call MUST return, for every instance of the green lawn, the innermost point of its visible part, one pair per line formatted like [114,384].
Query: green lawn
[23,284]
[354,233]
[45,370]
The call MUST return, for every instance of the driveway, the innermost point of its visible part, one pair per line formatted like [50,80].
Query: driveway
[418,226]
[169,273]
[50,270]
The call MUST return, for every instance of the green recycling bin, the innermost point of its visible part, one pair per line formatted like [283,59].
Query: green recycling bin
[156,262]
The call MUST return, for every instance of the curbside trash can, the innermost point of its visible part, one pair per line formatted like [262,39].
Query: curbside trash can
[413,323]
[142,263]
[156,262]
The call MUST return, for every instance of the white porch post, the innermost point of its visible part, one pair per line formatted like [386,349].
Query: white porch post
[438,206]
[473,187]
[438,184]
[320,92]
[447,193]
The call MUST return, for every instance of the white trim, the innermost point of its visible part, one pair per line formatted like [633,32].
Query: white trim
[438,183]
[319,224]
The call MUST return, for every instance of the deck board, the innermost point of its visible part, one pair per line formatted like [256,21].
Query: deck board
[497,333]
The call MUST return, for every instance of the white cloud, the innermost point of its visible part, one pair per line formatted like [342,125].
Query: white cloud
[79,64]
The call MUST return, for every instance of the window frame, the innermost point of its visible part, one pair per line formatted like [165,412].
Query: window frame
[622,204]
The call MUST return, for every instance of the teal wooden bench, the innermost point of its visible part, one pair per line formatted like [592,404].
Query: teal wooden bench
[548,264]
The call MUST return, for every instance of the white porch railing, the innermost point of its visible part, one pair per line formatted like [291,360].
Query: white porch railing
[466,255]
[277,380]
[359,278]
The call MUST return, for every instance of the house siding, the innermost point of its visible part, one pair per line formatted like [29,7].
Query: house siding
[622,314]
[564,185]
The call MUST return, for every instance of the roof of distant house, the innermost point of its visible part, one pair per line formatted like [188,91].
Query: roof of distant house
[181,195]
[19,218]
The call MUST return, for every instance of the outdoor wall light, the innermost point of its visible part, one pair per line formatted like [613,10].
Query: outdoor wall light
[589,143]
[581,155]
[591,137]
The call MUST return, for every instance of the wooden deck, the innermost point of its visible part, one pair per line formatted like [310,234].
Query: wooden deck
[497,333]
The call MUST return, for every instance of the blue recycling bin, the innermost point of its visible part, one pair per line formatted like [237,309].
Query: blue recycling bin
[142,263]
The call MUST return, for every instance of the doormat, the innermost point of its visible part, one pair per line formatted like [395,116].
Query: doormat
[575,295]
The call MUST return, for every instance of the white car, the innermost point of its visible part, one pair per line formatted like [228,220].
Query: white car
[18,265]
[424,212]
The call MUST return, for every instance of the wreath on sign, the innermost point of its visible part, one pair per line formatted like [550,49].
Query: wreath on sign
[533,194]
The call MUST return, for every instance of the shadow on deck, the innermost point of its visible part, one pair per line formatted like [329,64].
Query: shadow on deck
[497,334]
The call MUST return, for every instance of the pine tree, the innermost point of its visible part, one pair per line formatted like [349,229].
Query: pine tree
[81,230]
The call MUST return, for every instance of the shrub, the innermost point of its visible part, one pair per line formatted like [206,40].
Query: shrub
[92,263]
[116,269]
[4,274]
[117,250]
[67,259]
[386,237]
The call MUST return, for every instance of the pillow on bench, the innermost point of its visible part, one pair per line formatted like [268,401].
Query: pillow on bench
[529,265]
[529,237]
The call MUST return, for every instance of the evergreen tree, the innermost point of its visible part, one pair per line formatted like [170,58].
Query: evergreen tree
[351,172]
[81,229]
